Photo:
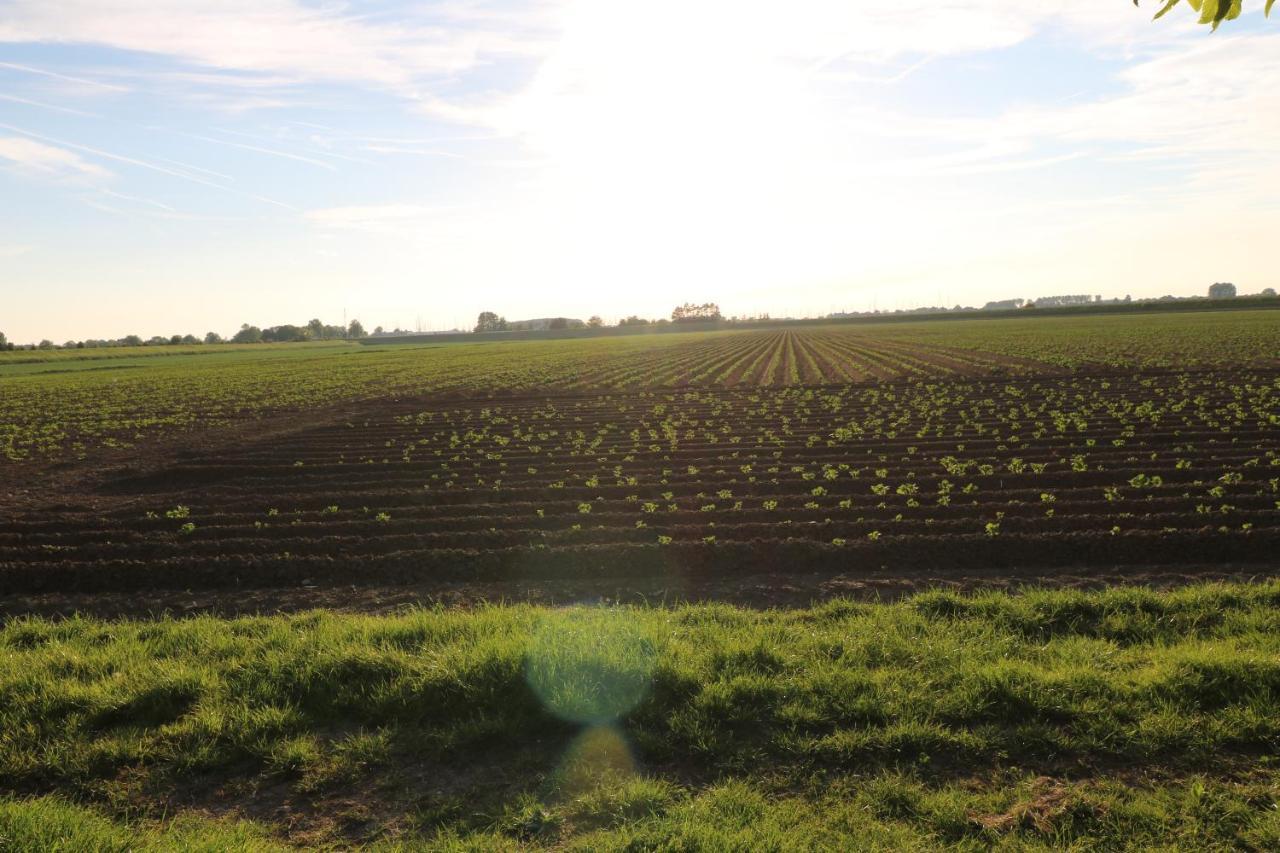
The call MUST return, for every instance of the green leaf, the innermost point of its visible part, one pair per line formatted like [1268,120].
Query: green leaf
[1228,10]
[1267,11]
[1168,6]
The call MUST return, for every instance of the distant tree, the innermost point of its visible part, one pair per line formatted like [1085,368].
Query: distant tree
[131,341]
[46,344]
[176,339]
[213,338]
[690,313]
[70,345]
[288,333]
[595,322]
[157,341]
[356,331]
[247,335]
[1004,305]
[377,331]
[316,328]
[1212,12]
[558,323]
[1059,301]
[491,322]
[633,320]
[1268,292]
[4,342]
[1222,290]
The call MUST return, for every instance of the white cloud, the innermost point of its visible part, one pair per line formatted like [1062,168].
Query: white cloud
[1205,98]
[48,161]
[287,41]
[285,36]
[1196,109]
[686,143]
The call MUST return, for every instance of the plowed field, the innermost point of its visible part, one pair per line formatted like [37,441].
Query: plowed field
[770,453]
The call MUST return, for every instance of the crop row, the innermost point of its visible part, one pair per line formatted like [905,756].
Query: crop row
[74,409]
[1042,470]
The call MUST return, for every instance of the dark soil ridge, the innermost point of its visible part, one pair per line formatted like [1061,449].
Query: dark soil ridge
[752,590]
[413,515]
[678,562]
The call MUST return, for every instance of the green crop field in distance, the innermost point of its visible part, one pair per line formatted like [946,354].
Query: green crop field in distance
[65,404]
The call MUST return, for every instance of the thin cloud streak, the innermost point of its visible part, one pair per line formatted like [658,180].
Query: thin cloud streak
[65,77]
[45,160]
[317,151]
[193,168]
[271,152]
[54,107]
[142,164]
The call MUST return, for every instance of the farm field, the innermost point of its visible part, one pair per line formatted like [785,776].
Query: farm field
[999,583]
[66,405]
[873,455]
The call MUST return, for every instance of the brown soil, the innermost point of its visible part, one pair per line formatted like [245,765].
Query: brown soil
[97,537]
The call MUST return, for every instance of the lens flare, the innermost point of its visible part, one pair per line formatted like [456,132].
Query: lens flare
[600,755]
[590,665]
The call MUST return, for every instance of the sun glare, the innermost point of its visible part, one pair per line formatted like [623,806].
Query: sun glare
[696,150]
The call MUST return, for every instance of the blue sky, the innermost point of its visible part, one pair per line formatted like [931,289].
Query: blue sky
[179,166]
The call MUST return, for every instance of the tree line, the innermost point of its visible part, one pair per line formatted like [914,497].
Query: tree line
[490,321]
[315,330]
[288,333]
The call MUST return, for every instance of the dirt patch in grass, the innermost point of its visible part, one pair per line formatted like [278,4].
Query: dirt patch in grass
[757,591]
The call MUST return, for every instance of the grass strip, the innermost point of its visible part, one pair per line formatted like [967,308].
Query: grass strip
[1119,718]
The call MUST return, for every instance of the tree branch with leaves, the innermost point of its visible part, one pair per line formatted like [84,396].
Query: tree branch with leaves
[1212,12]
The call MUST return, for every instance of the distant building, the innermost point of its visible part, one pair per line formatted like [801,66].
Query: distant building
[1222,290]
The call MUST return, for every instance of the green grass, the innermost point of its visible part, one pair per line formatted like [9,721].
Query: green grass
[53,825]
[1101,720]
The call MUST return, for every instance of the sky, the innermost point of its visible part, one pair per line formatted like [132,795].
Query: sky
[180,166]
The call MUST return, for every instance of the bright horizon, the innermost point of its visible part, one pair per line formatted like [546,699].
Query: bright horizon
[181,166]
